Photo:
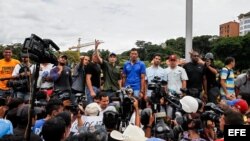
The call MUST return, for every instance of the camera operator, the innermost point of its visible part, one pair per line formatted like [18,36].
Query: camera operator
[22,71]
[7,65]
[154,70]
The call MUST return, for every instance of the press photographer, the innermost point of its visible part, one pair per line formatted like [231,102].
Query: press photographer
[22,74]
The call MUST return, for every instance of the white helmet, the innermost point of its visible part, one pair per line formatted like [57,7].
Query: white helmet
[189,104]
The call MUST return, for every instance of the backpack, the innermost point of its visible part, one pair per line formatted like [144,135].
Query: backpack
[24,68]
[23,81]
[219,77]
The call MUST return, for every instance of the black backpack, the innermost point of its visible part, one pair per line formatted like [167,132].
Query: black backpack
[24,68]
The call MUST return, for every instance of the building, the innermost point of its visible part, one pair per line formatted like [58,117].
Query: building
[244,23]
[229,29]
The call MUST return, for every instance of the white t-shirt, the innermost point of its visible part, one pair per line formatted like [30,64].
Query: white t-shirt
[87,122]
[18,67]
[152,72]
[175,77]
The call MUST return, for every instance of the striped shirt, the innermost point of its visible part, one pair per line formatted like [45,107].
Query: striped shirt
[229,81]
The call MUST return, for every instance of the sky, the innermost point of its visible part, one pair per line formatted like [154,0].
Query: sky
[119,23]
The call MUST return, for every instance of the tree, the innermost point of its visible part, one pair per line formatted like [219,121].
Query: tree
[202,44]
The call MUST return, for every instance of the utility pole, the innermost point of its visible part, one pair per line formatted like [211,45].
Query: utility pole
[189,29]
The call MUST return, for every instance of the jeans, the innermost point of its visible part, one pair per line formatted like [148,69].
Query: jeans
[137,93]
[88,96]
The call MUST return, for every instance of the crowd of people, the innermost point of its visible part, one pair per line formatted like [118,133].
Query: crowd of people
[190,101]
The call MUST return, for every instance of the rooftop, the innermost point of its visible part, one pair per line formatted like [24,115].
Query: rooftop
[244,15]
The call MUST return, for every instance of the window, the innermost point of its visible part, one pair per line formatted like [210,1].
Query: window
[247,27]
[247,21]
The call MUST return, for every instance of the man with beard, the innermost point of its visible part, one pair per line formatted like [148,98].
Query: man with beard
[23,71]
[196,75]
[61,75]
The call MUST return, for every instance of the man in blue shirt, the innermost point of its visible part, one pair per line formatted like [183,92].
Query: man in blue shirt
[134,74]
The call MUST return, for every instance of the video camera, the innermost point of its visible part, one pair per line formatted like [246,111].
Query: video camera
[212,112]
[156,86]
[127,103]
[18,84]
[40,50]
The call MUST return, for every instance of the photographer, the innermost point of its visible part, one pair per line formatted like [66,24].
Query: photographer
[23,74]
[191,133]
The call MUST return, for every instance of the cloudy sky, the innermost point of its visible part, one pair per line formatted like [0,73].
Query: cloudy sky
[119,23]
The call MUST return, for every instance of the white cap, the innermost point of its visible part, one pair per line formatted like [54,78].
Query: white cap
[131,133]
[189,104]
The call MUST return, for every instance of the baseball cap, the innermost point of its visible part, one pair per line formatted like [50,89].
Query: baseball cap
[92,109]
[131,133]
[240,104]
[172,57]
[112,53]
[64,56]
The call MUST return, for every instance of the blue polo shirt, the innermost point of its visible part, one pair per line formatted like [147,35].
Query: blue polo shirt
[133,73]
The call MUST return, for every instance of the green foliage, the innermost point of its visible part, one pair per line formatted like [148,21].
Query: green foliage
[73,56]
[218,64]
[238,47]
